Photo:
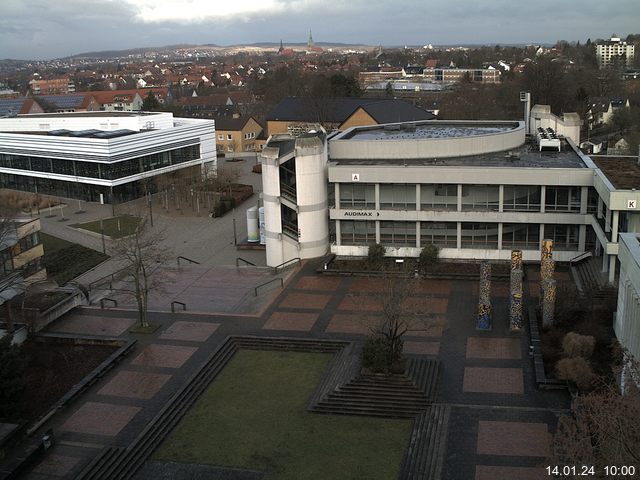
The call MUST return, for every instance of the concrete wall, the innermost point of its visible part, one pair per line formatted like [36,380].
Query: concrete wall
[351,148]
[627,320]
[568,125]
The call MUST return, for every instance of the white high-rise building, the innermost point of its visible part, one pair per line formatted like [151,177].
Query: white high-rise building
[613,50]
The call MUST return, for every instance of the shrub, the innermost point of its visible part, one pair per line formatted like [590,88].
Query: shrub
[577,370]
[428,257]
[12,379]
[576,345]
[375,256]
[375,353]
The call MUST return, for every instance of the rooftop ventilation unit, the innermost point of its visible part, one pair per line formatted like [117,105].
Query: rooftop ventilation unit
[548,139]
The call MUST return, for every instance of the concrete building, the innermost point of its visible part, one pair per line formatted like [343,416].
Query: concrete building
[477,190]
[614,52]
[101,156]
[20,256]
[439,76]
[627,318]
[119,100]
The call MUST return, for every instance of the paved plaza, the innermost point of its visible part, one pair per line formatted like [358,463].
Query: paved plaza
[500,424]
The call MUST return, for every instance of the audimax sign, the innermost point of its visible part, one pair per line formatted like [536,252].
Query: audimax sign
[360,213]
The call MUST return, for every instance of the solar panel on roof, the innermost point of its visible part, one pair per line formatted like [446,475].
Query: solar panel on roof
[60,132]
[64,101]
[113,133]
[11,105]
[84,133]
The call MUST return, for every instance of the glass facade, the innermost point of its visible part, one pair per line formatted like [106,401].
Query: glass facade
[480,235]
[397,196]
[525,236]
[562,199]
[398,234]
[565,237]
[442,234]
[439,196]
[353,232]
[521,198]
[356,195]
[480,197]
[100,170]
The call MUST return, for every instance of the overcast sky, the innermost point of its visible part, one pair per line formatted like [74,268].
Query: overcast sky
[43,29]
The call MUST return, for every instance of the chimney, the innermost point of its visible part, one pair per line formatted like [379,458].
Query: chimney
[525,97]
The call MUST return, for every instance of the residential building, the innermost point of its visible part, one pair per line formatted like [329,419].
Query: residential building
[77,102]
[52,86]
[445,76]
[237,134]
[102,156]
[602,110]
[20,256]
[299,115]
[614,52]
[476,189]
[119,100]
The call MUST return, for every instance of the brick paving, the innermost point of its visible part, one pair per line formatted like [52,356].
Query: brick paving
[493,380]
[492,472]
[190,331]
[513,438]
[305,300]
[481,373]
[164,356]
[100,418]
[129,384]
[421,348]
[300,322]
[496,348]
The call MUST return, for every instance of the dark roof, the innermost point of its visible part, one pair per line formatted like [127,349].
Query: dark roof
[66,101]
[622,172]
[230,123]
[337,110]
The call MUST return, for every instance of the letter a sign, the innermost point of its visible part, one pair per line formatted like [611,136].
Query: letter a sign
[355,177]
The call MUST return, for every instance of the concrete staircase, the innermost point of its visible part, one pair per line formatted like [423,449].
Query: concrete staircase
[588,275]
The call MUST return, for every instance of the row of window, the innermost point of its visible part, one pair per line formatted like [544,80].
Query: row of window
[522,198]
[24,244]
[445,234]
[106,171]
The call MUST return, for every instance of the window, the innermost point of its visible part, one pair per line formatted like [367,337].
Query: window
[562,199]
[220,137]
[521,198]
[289,222]
[397,196]
[565,237]
[480,197]
[439,196]
[353,232]
[229,136]
[442,234]
[356,195]
[398,234]
[524,236]
[480,235]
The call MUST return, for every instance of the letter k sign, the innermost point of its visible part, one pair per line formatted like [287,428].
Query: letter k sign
[632,204]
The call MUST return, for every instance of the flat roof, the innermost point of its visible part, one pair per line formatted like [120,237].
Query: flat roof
[416,131]
[88,114]
[526,156]
[623,172]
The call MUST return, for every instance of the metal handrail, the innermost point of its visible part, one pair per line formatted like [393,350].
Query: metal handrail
[187,259]
[101,280]
[580,257]
[173,304]
[240,259]
[255,290]
[102,300]
[285,264]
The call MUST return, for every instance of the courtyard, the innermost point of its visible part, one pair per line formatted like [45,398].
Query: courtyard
[500,425]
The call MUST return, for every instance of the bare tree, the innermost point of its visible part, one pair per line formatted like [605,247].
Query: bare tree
[603,427]
[142,253]
[10,278]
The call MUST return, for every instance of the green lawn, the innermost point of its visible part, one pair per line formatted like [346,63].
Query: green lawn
[64,260]
[115,227]
[254,416]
